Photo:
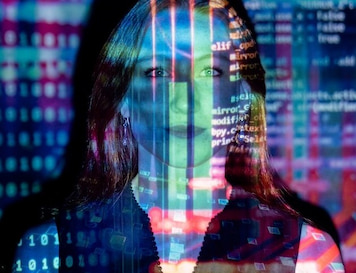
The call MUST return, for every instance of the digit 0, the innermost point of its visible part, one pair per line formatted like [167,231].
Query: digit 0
[56,263]
[32,264]
[44,239]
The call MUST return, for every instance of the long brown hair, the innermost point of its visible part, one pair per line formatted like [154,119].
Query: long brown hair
[111,164]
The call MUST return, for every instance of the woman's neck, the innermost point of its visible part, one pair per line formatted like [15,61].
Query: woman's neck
[180,203]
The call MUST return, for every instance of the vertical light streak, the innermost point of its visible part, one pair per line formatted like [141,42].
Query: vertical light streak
[190,96]
[191,84]
[153,26]
[192,26]
[171,91]
[154,63]
[173,38]
[211,29]
[211,23]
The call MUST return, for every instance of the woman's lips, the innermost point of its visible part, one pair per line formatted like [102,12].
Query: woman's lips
[185,131]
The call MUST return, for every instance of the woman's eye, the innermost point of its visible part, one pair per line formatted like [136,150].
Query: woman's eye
[211,72]
[156,72]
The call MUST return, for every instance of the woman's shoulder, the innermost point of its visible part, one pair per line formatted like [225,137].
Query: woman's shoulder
[38,249]
[318,252]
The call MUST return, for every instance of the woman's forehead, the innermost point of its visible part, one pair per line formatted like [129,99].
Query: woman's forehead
[184,29]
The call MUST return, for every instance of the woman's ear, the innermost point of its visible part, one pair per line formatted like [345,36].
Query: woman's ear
[245,88]
[245,97]
[124,108]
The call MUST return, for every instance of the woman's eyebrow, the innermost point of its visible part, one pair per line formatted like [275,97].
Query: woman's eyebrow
[145,59]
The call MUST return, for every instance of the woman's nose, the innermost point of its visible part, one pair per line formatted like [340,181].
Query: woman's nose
[183,98]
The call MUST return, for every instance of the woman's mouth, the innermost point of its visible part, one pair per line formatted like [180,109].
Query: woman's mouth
[185,131]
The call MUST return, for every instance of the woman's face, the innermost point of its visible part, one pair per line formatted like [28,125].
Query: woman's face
[181,100]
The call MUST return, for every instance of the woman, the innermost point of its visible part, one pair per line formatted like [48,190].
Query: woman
[177,177]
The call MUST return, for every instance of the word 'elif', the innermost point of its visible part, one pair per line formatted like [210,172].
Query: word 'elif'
[220,46]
